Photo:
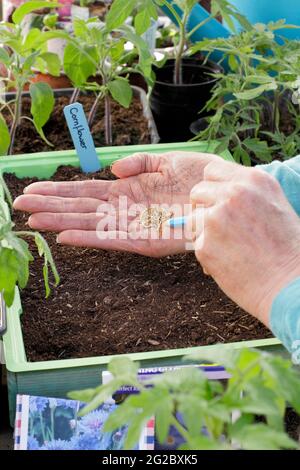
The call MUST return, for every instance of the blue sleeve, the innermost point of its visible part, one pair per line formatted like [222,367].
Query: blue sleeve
[285,317]
[285,311]
[288,175]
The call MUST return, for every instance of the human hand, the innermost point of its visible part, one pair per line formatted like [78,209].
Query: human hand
[76,209]
[249,239]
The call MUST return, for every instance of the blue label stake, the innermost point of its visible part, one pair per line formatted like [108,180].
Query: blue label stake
[177,222]
[82,138]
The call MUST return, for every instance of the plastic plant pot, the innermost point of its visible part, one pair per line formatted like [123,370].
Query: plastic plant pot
[57,378]
[138,92]
[174,107]
[264,11]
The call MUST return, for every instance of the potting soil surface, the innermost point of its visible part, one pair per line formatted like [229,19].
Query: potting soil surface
[114,303]
[129,126]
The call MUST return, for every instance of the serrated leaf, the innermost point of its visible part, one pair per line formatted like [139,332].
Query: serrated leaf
[255,92]
[163,408]
[44,250]
[8,273]
[261,437]
[135,427]
[123,365]
[121,416]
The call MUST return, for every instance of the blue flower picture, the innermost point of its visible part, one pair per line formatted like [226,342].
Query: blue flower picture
[54,424]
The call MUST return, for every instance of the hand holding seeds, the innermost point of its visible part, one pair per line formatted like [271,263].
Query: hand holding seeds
[84,213]
[249,241]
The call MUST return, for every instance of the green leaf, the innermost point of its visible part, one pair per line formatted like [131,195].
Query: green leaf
[85,395]
[4,56]
[6,191]
[261,437]
[42,104]
[33,39]
[24,256]
[121,91]
[4,137]
[28,7]
[163,416]
[233,62]
[255,92]
[52,63]
[119,12]
[44,250]
[8,273]
[105,392]
[135,427]
[120,417]
[80,63]
[202,443]
[145,57]
[30,61]
[142,21]
[122,366]
[259,147]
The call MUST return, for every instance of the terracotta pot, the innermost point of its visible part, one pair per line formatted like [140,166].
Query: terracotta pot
[55,82]
[98,9]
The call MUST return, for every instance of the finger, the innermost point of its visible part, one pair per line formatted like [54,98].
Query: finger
[36,203]
[195,223]
[220,170]
[208,193]
[57,222]
[111,240]
[93,188]
[198,245]
[136,164]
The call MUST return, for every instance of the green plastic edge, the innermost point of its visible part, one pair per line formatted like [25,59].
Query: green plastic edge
[43,165]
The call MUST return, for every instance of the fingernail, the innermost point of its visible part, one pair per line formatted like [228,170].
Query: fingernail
[57,240]
[25,190]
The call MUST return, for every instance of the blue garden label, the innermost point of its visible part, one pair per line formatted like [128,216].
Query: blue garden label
[82,137]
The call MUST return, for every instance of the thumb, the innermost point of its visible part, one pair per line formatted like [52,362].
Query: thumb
[136,164]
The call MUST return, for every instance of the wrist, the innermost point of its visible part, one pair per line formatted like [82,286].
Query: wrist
[282,276]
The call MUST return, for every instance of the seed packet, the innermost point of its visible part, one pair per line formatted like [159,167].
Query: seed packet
[54,424]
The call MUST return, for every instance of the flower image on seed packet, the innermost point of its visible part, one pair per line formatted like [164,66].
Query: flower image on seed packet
[54,424]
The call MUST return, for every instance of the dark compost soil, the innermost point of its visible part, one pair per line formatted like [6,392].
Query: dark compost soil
[114,303]
[129,126]
[292,424]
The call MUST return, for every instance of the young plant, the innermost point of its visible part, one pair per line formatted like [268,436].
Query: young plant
[19,53]
[15,255]
[180,10]
[205,413]
[254,109]
[96,50]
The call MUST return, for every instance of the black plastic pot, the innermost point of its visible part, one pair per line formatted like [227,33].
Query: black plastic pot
[199,125]
[174,107]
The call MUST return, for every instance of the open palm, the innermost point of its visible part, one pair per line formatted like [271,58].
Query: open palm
[106,214]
